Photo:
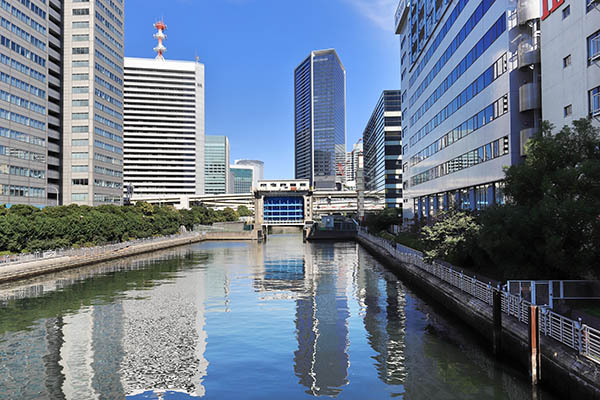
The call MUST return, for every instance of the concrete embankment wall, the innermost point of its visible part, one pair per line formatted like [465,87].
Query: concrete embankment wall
[331,235]
[569,374]
[13,272]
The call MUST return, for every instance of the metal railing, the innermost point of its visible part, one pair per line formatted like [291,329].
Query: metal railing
[86,251]
[574,334]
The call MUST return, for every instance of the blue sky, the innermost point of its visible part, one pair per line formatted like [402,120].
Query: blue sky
[250,49]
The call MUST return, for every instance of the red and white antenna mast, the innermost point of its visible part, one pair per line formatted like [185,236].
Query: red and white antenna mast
[160,36]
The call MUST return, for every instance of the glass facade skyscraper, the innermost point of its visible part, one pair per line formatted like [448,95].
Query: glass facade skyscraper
[242,177]
[216,164]
[382,152]
[320,120]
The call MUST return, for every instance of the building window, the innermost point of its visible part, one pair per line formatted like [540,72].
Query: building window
[566,11]
[80,89]
[81,11]
[568,110]
[590,5]
[80,63]
[81,50]
[595,101]
[593,43]
[567,61]
[81,38]
[80,77]
[80,129]
[80,103]
[79,142]
[80,116]
[80,181]
[81,24]
[79,197]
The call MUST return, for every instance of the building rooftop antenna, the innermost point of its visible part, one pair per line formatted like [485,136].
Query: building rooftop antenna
[160,49]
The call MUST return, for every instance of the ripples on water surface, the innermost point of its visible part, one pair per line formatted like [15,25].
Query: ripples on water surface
[225,320]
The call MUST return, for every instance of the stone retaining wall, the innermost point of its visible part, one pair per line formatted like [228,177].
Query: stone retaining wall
[12,272]
[569,374]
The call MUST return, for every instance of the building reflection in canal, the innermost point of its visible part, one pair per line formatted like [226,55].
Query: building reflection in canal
[317,279]
[322,319]
[384,302]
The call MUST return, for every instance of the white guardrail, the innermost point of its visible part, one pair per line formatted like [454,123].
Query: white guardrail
[86,251]
[574,334]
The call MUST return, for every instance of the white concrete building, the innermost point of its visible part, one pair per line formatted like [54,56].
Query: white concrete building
[164,127]
[470,80]
[92,141]
[570,53]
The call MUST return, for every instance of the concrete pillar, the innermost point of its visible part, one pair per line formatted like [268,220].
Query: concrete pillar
[436,205]
[419,211]
[427,205]
[457,199]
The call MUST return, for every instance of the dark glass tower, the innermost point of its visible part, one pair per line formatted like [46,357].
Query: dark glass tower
[320,120]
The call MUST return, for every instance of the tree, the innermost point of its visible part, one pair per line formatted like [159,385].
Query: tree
[551,224]
[243,211]
[452,237]
[382,220]
[230,214]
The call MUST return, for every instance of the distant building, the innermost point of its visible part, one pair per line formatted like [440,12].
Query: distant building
[383,149]
[216,164]
[320,120]
[259,169]
[570,54]
[352,163]
[242,179]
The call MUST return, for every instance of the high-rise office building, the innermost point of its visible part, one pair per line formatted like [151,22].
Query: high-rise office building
[30,100]
[164,126]
[242,179]
[383,149]
[352,162]
[216,164]
[259,169]
[320,120]
[470,95]
[570,54]
[92,118]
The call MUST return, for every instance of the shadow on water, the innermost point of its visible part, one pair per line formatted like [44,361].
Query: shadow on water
[224,320]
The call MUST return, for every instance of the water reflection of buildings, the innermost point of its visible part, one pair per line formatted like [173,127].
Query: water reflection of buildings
[316,276]
[82,353]
[384,302]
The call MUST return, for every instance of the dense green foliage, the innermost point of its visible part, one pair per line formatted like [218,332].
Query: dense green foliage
[451,238]
[27,228]
[550,225]
[244,211]
[381,221]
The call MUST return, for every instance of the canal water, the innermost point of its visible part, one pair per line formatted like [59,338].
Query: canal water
[240,320]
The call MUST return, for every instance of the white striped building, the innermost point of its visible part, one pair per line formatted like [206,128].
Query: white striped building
[164,127]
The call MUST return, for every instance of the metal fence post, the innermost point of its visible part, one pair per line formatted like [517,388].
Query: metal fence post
[534,345]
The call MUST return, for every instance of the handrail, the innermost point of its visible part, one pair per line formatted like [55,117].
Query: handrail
[574,334]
